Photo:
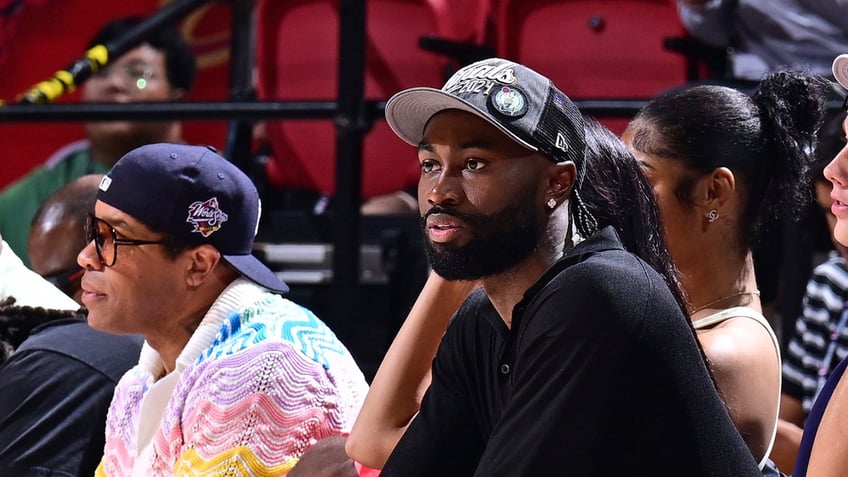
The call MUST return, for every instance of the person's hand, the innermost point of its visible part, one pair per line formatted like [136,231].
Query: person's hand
[325,458]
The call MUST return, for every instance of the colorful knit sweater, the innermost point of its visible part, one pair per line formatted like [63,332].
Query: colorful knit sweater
[260,380]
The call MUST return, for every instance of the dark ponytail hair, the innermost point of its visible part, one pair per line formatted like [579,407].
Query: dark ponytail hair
[617,194]
[766,140]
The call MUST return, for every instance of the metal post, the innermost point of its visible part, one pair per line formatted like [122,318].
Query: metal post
[350,130]
[239,133]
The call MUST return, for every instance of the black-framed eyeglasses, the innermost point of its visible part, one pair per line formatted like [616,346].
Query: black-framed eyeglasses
[106,240]
[135,74]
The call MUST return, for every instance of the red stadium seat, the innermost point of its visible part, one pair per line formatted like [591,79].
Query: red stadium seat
[297,59]
[595,49]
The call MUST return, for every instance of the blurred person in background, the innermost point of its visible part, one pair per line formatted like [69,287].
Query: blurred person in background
[162,68]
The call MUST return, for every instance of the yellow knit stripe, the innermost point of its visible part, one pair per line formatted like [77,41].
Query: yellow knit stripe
[239,461]
[99,472]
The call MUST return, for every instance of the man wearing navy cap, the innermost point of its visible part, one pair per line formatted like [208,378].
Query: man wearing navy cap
[233,379]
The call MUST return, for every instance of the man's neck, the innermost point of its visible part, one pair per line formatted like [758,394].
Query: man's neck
[507,289]
[108,152]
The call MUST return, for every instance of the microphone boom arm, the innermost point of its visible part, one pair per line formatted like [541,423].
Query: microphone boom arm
[66,80]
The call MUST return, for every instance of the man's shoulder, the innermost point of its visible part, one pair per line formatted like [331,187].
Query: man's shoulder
[609,270]
[616,288]
[277,323]
[74,152]
[46,178]
[57,334]
[111,355]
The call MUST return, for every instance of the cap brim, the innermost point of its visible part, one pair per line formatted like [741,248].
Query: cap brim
[409,111]
[840,69]
[251,268]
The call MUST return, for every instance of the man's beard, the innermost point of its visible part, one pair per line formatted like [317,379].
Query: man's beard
[499,241]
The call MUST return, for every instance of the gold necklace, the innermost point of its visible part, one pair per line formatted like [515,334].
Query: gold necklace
[732,295]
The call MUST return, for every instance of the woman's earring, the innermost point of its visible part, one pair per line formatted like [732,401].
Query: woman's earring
[551,203]
[712,215]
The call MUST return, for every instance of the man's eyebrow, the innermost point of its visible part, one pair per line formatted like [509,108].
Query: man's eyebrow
[121,226]
[476,144]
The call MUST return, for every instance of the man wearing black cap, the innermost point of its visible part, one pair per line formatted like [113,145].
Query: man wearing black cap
[573,358]
[233,379]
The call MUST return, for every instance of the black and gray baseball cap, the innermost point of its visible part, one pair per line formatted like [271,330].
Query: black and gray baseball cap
[520,102]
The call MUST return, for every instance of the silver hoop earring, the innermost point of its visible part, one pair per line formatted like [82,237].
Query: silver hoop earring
[712,215]
[551,203]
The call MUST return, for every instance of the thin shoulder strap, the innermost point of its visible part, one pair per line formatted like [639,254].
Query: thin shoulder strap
[745,312]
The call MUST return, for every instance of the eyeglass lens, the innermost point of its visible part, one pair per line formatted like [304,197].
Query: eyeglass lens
[133,74]
[103,236]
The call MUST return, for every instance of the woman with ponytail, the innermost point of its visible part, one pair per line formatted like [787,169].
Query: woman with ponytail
[724,167]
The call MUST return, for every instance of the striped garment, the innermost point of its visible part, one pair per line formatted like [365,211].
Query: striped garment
[259,381]
[812,348]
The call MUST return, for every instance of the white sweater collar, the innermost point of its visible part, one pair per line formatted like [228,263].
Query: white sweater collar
[238,293]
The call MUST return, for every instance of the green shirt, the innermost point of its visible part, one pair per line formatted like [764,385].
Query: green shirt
[20,200]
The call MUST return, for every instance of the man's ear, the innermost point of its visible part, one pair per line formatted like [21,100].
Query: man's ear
[560,181]
[203,260]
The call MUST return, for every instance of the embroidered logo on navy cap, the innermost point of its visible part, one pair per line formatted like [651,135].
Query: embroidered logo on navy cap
[105,183]
[509,101]
[206,216]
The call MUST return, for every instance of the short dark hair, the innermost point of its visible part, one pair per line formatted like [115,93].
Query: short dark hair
[180,62]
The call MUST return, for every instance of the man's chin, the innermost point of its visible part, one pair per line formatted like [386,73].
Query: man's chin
[98,321]
[109,127]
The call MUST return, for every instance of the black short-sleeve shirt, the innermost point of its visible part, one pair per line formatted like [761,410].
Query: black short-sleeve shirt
[600,375]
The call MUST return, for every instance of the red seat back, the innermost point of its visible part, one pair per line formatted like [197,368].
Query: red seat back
[595,49]
[297,54]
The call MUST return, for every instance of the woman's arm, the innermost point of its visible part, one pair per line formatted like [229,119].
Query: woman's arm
[786,444]
[404,374]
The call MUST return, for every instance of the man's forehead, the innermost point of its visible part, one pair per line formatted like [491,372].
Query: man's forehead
[142,53]
[463,130]
[117,218]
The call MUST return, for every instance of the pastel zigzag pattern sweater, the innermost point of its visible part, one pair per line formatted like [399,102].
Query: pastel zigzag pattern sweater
[259,381]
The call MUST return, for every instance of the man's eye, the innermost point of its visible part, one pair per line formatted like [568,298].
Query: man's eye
[428,166]
[474,164]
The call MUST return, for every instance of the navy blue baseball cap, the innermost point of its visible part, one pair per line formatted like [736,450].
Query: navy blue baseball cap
[196,195]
